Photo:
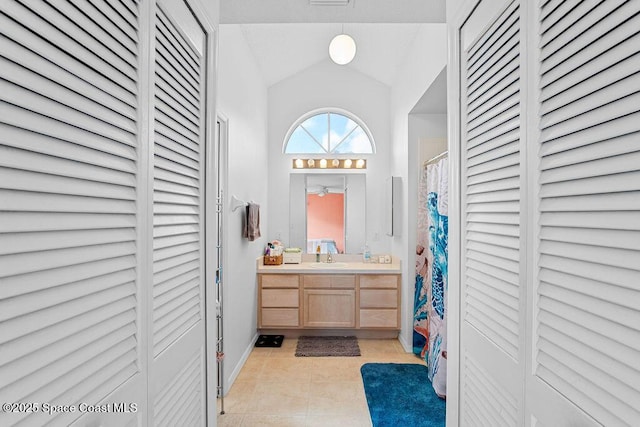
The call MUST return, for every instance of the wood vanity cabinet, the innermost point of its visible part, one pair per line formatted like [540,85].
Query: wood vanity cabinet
[379,301]
[278,301]
[331,301]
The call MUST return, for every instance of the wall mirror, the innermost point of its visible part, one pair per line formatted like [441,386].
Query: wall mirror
[328,211]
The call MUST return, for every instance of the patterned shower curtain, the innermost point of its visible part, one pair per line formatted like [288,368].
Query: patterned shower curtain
[430,319]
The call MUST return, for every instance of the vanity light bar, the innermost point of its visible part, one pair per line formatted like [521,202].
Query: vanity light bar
[329,164]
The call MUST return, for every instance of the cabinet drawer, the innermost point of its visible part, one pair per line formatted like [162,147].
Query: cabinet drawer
[340,281]
[274,317]
[279,280]
[379,281]
[378,298]
[280,298]
[378,318]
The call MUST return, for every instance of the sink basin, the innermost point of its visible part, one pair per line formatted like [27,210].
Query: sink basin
[326,265]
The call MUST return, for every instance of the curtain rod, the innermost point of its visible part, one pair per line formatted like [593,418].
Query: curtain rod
[438,157]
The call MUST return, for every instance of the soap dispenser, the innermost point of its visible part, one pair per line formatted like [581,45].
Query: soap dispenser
[318,254]
[366,254]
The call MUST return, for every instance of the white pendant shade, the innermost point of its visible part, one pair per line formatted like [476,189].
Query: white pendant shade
[342,49]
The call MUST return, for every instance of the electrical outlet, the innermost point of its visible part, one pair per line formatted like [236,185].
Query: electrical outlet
[279,235]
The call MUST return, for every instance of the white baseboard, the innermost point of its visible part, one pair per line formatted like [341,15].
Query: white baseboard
[408,346]
[236,370]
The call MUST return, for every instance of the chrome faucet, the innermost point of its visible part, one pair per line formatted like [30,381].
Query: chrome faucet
[329,257]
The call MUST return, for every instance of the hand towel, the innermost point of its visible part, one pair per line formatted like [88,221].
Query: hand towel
[252,222]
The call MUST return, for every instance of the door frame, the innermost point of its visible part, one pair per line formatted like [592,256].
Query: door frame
[211,236]
[210,228]
[456,22]
[209,308]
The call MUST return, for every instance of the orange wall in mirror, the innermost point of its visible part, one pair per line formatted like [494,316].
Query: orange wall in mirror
[325,218]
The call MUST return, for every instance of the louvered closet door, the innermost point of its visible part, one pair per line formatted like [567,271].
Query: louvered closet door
[178,367]
[587,325]
[492,277]
[68,223]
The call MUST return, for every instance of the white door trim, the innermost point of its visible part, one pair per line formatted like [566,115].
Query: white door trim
[454,282]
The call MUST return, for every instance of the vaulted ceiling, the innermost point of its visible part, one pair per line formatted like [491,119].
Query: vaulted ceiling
[288,36]
[300,11]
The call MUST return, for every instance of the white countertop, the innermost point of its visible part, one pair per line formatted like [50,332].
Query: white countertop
[337,267]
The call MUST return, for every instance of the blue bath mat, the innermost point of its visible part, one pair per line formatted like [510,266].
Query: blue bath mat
[400,394]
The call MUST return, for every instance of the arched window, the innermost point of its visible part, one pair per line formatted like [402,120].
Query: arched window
[329,131]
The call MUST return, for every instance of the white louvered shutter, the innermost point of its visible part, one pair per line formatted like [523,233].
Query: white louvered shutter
[492,270]
[587,324]
[178,392]
[68,207]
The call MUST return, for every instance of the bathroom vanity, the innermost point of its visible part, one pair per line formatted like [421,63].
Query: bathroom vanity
[340,295]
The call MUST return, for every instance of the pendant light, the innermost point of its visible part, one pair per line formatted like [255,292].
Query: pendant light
[342,48]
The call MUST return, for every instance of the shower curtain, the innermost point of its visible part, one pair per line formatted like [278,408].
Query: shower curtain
[430,318]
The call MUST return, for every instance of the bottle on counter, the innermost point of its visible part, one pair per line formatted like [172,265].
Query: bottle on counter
[366,254]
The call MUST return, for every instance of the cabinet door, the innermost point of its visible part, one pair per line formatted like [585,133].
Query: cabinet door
[329,308]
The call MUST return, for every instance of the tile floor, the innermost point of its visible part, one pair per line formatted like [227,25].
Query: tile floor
[275,388]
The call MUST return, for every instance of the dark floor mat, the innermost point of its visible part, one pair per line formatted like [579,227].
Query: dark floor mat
[327,346]
[269,341]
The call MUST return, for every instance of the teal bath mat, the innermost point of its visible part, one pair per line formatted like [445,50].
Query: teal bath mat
[400,394]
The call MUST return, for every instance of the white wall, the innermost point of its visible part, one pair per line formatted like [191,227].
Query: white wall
[242,98]
[426,58]
[427,139]
[429,131]
[329,85]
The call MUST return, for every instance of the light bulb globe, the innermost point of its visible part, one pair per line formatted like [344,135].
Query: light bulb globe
[342,49]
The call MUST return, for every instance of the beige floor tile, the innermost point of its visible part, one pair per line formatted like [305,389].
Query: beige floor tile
[252,420]
[408,358]
[287,369]
[338,421]
[230,420]
[238,399]
[288,349]
[337,398]
[375,347]
[275,388]
[325,369]
[261,352]
[280,398]
[252,369]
